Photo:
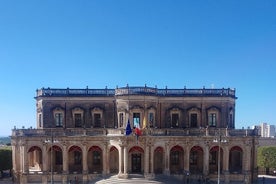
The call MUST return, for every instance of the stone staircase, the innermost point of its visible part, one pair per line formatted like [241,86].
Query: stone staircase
[137,178]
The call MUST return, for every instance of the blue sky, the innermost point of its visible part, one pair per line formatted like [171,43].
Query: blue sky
[100,43]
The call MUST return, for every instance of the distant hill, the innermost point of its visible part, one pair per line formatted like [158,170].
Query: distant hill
[5,140]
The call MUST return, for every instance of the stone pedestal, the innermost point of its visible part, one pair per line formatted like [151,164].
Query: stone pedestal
[123,176]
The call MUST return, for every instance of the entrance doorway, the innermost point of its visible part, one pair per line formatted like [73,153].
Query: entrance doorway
[136,163]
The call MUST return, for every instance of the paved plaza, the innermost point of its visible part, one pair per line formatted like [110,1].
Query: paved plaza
[138,179]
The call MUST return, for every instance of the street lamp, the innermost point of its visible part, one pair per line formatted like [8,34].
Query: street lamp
[219,140]
[51,142]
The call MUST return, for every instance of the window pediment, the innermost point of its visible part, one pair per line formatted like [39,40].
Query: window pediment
[136,107]
[213,109]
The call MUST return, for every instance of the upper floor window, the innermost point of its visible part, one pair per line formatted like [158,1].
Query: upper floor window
[58,116]
[39,120]
[97,119]
[175,120]
[212,119]
[121,119]
[151,119]
[136,120]
[231,119]
[78,119]
[59,119]
[193,120]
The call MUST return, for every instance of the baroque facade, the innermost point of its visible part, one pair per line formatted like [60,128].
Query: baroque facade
[80,135]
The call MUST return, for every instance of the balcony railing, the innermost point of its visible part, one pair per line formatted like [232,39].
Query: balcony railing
[121,132]
[136,91]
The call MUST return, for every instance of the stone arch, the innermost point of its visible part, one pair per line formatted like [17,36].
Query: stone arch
[215,159]
[235,160]
[75,159]
[176,160]
[35,158]
[136,159]
[196,159]
[159,160]
[55,158]
[95,160]
[113,160]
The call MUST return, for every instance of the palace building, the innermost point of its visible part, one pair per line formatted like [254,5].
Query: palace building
[81,134]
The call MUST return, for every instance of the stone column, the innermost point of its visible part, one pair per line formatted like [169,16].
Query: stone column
[65,159]
[125,160]
[225,167]
[246,160]
[167,159]
[84,159]
[106,169]
[64,164]
[187,158]
[151,160]
[120,159]
[24,159]
[146,161]
[15,164]
[206,160]
[45,158]
[247,156]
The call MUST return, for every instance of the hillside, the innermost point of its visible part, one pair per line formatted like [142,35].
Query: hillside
[5,140]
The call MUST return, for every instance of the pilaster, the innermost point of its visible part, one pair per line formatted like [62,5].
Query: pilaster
[206,160]
[84,159]
[65,159]
[187,158]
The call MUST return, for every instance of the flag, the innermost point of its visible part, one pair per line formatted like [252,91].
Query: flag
[144,123]
[128,128]
[138,131]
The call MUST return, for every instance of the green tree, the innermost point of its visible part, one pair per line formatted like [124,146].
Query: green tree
[267,157]
[5,159]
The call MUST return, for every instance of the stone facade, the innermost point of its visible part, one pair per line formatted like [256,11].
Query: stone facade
[80,135]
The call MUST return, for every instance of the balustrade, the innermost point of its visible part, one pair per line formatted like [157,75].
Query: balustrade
[121,132]
[135,91]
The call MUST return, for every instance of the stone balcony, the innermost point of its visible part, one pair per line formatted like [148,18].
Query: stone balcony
[120,132]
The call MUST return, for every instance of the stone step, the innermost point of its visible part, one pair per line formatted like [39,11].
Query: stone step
[137,178]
